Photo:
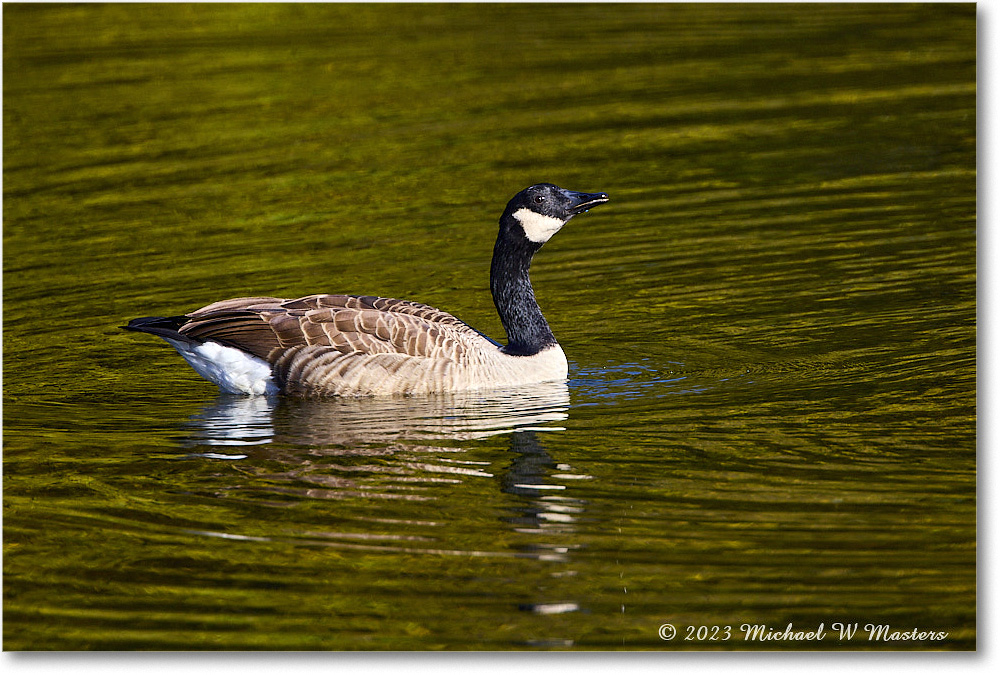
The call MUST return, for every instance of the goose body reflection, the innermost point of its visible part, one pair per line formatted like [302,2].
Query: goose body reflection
[394,449]
[239,420]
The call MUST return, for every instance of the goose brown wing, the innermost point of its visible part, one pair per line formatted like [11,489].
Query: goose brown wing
[240,323]
[350,324]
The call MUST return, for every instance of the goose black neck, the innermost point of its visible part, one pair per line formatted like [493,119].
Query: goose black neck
[527,331]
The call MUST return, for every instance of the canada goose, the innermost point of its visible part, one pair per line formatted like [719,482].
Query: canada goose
[361,345]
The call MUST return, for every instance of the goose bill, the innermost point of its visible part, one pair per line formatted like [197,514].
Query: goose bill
[585,200]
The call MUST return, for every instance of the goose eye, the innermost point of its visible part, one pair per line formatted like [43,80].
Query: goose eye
[539,199]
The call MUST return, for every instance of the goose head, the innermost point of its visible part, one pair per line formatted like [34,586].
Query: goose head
[539,211]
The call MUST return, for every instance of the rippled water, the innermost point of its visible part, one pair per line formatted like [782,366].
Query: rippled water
[771,328]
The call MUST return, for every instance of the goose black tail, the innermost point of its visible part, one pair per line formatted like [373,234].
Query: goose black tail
[162,326]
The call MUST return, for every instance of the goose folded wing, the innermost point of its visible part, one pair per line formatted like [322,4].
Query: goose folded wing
[374,331]
[266,327]
[245,330]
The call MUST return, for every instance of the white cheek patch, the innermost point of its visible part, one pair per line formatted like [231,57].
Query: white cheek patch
[537,228]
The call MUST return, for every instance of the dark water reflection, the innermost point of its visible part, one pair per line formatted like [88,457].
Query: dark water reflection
[771,412]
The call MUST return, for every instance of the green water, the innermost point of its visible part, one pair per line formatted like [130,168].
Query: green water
[771,328]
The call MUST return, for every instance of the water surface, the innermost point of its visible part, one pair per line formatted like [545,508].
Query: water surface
[770,416]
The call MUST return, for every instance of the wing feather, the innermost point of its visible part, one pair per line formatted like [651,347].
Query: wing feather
[342,324]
